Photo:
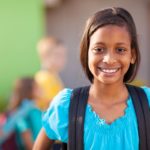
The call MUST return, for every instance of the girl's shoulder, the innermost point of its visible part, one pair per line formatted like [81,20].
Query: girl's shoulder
[55,119]
[62,98]
[60,103]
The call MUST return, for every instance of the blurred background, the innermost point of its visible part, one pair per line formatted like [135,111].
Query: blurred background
[23,23]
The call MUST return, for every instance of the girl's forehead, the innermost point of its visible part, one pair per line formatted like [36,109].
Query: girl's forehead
[111,32]
[111,27]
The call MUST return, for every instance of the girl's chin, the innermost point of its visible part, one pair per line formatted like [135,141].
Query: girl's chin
[109,79]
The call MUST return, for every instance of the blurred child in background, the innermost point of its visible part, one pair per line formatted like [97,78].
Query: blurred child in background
[52,54]
[24,117]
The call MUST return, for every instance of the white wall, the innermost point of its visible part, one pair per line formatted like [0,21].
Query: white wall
[67,22]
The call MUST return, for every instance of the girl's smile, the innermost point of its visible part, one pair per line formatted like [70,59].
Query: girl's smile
[110,53]
[109,71]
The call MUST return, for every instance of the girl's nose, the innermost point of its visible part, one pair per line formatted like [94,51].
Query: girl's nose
[109,58]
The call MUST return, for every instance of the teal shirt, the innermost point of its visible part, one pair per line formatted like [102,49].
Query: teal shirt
[31,121]
[122,134]
[17,120]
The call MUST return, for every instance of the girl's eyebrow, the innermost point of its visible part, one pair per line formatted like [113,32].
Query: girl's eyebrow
[119,43]
[99,43]
[122,43]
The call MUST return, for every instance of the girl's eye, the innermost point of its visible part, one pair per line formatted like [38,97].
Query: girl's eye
[121,50]
[98,50]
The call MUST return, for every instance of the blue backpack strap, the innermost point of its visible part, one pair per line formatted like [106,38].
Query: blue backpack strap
[77,108]
[142,110]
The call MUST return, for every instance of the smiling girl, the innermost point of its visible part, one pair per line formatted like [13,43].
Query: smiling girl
[110,58]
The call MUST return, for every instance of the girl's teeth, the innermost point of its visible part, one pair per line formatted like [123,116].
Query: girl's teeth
[109,70]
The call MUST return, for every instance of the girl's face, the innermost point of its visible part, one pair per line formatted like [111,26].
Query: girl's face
[110,54]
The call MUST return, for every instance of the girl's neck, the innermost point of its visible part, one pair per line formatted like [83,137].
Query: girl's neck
[108,93]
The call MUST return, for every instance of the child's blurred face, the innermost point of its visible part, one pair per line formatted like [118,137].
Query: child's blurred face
[110,54]
[37,91]
[56,59]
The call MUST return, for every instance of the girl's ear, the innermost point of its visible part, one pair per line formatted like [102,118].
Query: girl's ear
[133,56]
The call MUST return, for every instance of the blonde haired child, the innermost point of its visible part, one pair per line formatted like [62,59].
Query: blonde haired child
[52,54]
